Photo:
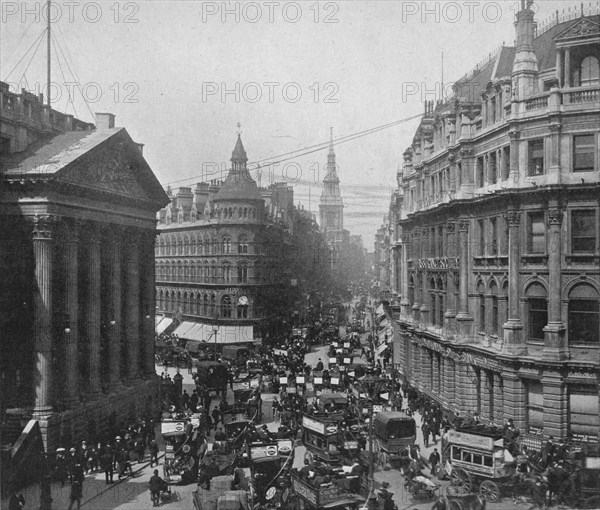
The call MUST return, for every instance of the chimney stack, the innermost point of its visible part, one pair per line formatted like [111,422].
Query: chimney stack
[105,121]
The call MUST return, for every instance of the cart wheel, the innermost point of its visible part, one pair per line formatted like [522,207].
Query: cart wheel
[461,478]
[455,505]
[489,491]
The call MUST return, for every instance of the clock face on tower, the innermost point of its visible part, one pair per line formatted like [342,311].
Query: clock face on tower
[243,300]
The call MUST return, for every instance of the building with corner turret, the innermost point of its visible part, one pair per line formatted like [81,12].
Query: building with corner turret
[233,259]
[495,234]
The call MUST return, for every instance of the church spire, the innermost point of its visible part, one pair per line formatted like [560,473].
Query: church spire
[331,166]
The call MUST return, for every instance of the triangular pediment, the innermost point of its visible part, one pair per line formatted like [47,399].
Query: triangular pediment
[115,166]
[581,29]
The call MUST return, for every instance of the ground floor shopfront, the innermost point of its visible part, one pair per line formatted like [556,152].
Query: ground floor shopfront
[544,399]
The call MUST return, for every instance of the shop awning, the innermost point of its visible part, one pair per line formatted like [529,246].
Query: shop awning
[198,332]
[380,312]
[385,323]
[163,324]
[382,348]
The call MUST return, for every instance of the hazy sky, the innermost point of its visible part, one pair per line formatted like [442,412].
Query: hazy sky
[180,75]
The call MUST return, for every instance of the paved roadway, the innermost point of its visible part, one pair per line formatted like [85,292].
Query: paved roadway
[132,493]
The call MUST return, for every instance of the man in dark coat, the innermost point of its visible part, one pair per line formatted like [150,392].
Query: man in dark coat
[153,447]
[156,485]
[77,477]
[106,460]
[434,461]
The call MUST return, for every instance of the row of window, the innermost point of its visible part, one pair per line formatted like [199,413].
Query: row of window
[583,155]
[201,305]
[171,245]
[583,232]
[583,310]
[204,272]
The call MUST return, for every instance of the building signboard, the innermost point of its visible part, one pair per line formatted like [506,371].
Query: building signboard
[304,491]
[314,425]
[471,440]
[263,451]
[172,426]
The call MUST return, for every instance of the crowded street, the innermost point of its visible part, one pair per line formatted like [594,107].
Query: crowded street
[285,416]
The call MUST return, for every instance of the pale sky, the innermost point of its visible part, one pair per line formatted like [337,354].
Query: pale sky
[180,75]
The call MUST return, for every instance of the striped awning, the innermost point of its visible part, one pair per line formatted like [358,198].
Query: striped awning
[199,332]
[163,324]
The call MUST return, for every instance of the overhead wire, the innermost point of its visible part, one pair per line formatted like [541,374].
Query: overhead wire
[54,45]
[32,57]
[75,76]
[14,48]
[313,148]
[38,41]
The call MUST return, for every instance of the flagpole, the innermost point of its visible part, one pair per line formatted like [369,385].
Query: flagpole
[48,42]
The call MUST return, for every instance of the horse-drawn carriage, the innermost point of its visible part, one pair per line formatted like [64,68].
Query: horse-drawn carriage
[482,464]
[326,496]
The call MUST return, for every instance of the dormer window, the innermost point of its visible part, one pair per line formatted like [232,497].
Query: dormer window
[589,72]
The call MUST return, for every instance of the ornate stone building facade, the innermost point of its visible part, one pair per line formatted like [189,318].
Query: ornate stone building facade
[495,261]
[232,258]
[77,213]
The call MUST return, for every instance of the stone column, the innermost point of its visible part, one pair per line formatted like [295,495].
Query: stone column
[71,397]
[515,397]
[555,347]
[132,305]
[484,391]
[450,313]
[43,226]
[514,155]
[567,78]
[498,399]
[559,65]
[404,303]
[94,293]
[417,275]
[513,328]
[450,383]
[114,319]
[424,310]
[555,404]
[463,319]
[555,139]
[436,374]
[148,289]
[489,312]
[427,364]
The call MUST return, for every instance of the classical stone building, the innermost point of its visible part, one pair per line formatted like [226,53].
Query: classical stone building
[78,209]
[495,263]
[232,258]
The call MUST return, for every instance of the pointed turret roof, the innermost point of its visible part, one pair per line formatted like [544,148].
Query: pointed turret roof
[239,185]
[239,153]
[331,174]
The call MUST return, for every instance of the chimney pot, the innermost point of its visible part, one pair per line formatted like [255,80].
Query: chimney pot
[105,120]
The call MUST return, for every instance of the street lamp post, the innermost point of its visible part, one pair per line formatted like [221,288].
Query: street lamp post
[371,385]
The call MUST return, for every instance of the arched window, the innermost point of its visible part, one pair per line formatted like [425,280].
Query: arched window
[226,307]
[481,298]
[226,269]
[205,272]
[242,311]
[589,72]
[537,310]
[411,291]
[206,246]
[186,245]
[186,271]
[441,304]
[205,304]
[185,303]
[432,303]
[179,270]
[200,248]
[242,273]
[213,270]
[584,315]
[495,324]
[213,304]
[226,245]
[243,244]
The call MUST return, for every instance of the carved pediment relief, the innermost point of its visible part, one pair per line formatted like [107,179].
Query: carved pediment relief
[114,169]
[583,28]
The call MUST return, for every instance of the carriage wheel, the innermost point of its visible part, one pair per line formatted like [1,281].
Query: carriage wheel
[461,478]
[489,491]
[455,505]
